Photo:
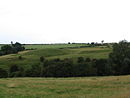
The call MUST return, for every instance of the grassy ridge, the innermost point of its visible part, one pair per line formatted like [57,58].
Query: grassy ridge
[90,87]
[44,46]
[31,57]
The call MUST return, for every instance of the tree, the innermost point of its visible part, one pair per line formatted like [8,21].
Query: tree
[88,60]
[42,59]
[13,68]
[15,71]
[12,43]
[34,71]
[3,73]
[7,49]
[121,53]
[18,47]
[102,42]
[20,57]
[102,67]
[92,44]
[80,59]
[69,43]
[13,48]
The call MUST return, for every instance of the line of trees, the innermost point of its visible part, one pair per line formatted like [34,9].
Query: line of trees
[118,63]
[13,48]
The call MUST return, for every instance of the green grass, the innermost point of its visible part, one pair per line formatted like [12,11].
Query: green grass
[44,46]
[86,87]
[31,57]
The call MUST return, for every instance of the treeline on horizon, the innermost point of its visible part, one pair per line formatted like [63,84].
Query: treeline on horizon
[118,63]
[10,49]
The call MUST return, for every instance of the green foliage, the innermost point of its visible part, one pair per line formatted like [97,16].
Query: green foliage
[42,59]
[16,71]
[13,48]
[18,47]
[120,58]
[3,73]
[6,49]
[68,62]
[34,71]
[103,68]
[20,57]
[31,58]
[80,59]
[58,68]
[87,59]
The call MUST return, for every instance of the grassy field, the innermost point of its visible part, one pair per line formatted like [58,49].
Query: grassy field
[86,87]
[44,46]
[31,57]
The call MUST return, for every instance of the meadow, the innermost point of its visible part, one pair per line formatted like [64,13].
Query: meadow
[79,87]
[31,57]
[71,87]
[44,46]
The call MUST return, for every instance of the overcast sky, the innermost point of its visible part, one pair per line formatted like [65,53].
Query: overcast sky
[59,21]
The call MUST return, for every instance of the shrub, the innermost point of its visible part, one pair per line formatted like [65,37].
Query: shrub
[42,59]
[3,73]
[15,71]
[80,59]
[20,57]
[88,60]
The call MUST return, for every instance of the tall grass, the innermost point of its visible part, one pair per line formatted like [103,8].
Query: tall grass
[90,87]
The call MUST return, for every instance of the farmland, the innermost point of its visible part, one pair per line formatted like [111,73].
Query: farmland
[85,87]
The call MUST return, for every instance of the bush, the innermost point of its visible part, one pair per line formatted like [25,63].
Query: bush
[103,68]
[80,59]
[58,68]
[20,57]
[3,73]
[88,60]
[15,71]
[42,59]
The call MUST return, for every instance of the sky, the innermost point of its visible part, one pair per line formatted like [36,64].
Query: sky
[62,21]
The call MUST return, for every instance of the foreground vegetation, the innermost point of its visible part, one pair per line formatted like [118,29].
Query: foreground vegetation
[90,87]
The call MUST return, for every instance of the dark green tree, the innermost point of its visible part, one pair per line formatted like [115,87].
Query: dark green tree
[3,73]
[6,49]
[80,59]
[42,59]
[120,54]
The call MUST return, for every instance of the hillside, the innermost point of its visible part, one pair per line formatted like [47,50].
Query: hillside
[31,57]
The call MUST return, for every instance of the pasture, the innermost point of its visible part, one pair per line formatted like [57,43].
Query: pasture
[85,87]
[44,46]
[73,51]
[78,87]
